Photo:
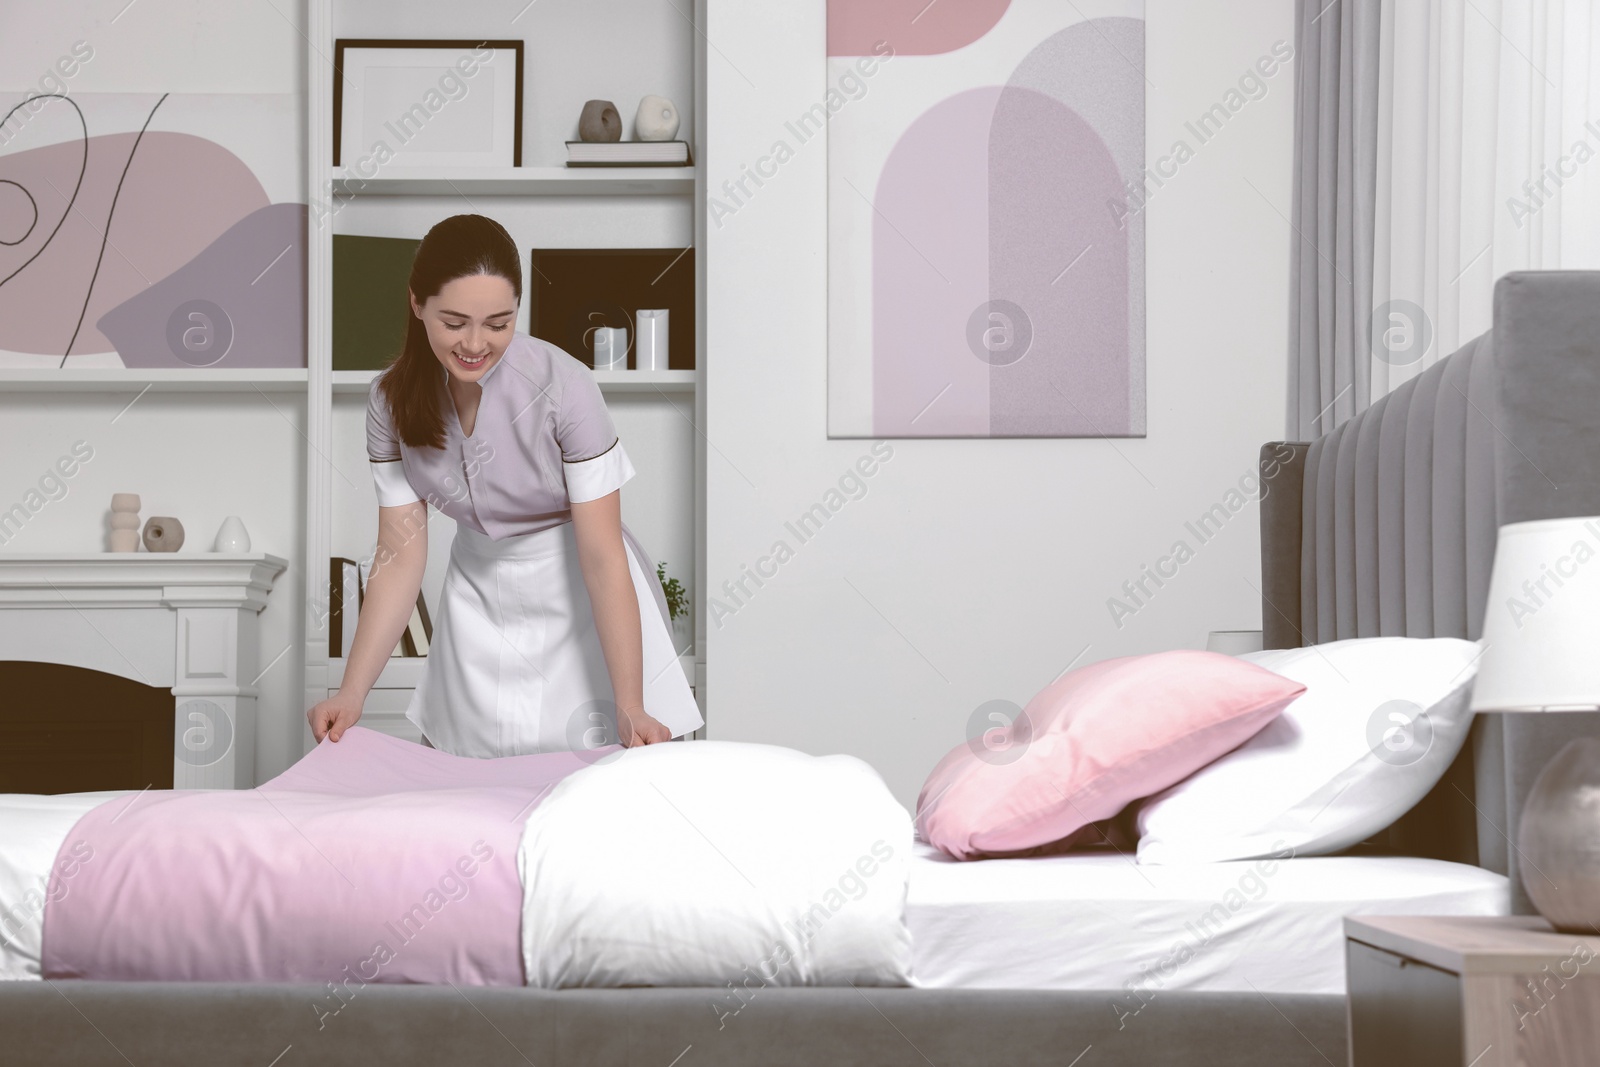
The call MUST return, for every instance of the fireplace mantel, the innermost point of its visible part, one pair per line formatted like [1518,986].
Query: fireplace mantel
[180,620]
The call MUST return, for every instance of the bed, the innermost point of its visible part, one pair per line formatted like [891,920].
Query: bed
[1383,527]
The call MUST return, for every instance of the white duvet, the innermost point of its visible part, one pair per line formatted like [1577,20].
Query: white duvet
[717,862]
[697,863]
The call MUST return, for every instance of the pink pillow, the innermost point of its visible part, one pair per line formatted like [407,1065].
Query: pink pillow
[1101,737]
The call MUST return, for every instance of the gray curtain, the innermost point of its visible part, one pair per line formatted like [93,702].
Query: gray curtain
[1335,182]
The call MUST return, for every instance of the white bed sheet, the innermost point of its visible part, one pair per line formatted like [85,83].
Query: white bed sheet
[1101,921]
[33,827]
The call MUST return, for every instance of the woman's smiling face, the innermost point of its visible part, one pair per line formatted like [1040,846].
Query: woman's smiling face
[469,322]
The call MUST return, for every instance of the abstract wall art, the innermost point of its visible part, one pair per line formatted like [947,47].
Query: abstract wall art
[985,269]
[151,230]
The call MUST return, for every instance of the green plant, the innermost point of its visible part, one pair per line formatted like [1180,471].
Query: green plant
[677,595]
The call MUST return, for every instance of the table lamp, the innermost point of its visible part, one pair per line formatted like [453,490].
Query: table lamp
[1541,637]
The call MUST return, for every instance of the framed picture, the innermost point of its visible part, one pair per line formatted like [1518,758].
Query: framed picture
[426,103]
[575,291]
[1005,298]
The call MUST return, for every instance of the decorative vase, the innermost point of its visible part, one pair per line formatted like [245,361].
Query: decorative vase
[124,522]
[232,536]
[599,122]
[650,339]
[1559,839]
[163,533]
[657,119]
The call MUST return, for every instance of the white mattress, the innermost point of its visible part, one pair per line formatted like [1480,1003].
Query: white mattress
[1101,921]
[1082,921]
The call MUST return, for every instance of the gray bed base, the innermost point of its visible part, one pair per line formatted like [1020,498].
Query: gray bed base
[1383,527]
[116,1024]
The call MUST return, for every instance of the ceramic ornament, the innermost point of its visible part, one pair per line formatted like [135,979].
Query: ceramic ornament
[650,339]
[124,522]
[657,119]
[163,533]
[611,348]
[232,536]
[600,122]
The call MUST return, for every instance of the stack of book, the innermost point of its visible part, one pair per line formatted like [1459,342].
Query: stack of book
[628,154]
[347,583]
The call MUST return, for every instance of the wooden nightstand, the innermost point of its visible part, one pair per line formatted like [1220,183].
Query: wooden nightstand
[1471,992]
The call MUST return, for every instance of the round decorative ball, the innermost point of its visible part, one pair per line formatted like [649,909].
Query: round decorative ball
[163,534]
[600,122]
[657,119]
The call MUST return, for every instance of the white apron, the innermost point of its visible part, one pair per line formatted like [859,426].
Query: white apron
[515,665]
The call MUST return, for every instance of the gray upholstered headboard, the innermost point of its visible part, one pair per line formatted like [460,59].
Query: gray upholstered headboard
[1386,526]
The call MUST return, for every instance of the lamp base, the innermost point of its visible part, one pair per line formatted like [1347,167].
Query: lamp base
[1559,839]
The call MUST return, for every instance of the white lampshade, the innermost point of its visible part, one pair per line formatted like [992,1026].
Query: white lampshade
[1541,630]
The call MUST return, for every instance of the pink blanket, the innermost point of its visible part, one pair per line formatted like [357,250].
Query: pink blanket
[370,860]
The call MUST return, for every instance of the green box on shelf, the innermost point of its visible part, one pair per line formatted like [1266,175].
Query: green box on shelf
[369,299]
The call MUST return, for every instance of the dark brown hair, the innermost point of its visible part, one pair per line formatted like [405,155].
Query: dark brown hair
[458,247]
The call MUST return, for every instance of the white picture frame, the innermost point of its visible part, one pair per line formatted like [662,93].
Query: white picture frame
[422,103]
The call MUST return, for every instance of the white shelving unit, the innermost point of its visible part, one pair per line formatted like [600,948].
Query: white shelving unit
[118,379]
[541,206]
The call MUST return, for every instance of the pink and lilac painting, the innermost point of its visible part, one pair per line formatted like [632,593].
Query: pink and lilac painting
[151,230]
[985,273]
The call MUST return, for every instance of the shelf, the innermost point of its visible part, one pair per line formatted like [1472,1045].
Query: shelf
[401,672]
[405,672]
[186,380]
[612,381]
[647,381]
[201,380]
[517,181]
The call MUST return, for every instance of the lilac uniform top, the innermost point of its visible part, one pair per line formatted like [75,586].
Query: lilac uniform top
[543,440]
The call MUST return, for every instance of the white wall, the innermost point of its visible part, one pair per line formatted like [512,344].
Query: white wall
[973,571]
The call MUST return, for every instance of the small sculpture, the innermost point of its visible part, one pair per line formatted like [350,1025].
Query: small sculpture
[657,119]
[162,533]
[124,522]
[232,536]
[600,122]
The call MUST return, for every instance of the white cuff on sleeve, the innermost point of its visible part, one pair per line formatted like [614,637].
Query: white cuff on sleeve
[591,479]
[390,481]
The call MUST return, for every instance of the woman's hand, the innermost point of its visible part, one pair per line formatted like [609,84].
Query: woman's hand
[334,716]
[636,727]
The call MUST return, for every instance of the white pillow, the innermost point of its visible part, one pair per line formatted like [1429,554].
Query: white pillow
[1381,720]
